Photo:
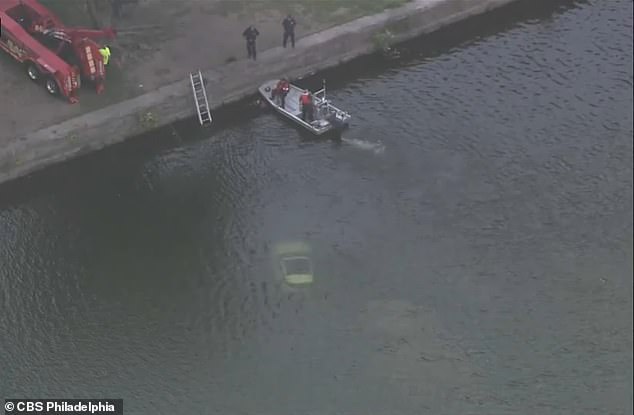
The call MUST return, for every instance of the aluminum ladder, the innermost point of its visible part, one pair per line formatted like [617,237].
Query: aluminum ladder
[200,98]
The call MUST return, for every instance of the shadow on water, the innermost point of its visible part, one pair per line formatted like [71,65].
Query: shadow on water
[126,155]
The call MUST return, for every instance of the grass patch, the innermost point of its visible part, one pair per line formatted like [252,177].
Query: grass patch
[356,8]
[383,41]
[77,13]
[148,120]
[322,11]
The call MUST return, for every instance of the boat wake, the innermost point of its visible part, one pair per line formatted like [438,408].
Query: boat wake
[376,148]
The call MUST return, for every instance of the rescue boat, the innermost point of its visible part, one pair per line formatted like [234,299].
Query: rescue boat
[326,117]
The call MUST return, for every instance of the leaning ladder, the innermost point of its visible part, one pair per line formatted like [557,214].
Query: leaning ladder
[200,98]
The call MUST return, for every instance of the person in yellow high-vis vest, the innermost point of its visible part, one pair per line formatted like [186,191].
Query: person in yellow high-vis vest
[105,52]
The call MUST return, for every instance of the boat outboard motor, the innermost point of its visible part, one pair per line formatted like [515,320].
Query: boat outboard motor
[337,121]
[334,121]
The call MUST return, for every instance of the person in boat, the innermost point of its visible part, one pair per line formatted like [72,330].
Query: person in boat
[306,103]
[280,91]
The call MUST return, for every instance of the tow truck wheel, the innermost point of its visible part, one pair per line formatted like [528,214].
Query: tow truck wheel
[51,86]
[32,72]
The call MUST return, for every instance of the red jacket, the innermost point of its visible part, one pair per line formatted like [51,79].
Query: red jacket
[305,99]
[282,86]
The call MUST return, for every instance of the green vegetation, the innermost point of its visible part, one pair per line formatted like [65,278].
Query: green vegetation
[323,11]
[383,41]
[98,12]
[342,10]
[148,120]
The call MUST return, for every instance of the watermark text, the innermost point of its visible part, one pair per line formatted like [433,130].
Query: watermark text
[63,406]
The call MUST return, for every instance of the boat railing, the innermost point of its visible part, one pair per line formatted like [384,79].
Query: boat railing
[322,92]
[321,101]
[338,111]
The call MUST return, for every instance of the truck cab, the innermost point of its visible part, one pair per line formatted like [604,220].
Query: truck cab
[39,62]
[77,51]
[36,37]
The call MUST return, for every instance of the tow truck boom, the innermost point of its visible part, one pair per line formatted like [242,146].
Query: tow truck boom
[63,56]
[71,35]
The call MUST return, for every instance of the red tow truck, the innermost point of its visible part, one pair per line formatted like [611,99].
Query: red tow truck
[59,56]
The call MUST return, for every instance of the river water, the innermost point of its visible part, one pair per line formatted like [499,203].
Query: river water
[471,237]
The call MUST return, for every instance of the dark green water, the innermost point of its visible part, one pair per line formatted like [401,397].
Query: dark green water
[471,235]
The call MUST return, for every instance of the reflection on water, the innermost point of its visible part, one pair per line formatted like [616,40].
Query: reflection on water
[375,147]
[471,236]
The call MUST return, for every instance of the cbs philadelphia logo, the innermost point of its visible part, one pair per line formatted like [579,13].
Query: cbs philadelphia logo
[24,406]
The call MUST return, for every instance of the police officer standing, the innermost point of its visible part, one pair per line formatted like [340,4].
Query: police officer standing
[250,34]
[289,30]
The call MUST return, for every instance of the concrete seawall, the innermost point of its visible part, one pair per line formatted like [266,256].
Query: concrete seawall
[229,83]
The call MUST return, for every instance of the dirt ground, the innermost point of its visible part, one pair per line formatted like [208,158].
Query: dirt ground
[161,41]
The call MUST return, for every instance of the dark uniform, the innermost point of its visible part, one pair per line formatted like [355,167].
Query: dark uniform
[289,30]
[250,34]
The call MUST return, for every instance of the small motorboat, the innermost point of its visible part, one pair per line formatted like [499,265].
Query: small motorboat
[326,117]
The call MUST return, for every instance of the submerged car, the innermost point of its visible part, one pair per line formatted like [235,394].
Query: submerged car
[293,263]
